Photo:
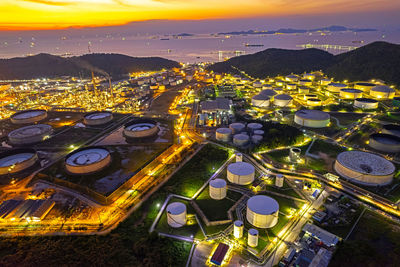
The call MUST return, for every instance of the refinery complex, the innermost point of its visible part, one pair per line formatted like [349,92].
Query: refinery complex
[288,160]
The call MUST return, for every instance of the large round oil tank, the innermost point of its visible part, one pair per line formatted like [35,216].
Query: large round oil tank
[314,102]
[241,139]
[279,83]
[392,129]
[217,188]
[252,237]
[257,84]
[366,103]
[176,214]
[223,134]
[262,211]
[239,157]
[312,118]
[240,173]
[335,87]
[385,142]
[303,90]
[141,128]
[87,160]
[17,160]
[254,126]
[28,116]
[382,92]
[30,134]
[364,86]
[237,127]
[283,100]
[305,82]
[260,101]
[292,78]
[268,93]
[238,227]
[291,86]
[348,93]
[325,81]
[97,118]
[266,86]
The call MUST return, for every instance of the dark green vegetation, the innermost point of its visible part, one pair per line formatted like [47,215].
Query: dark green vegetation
[374,242]
[45,65]
[378,60]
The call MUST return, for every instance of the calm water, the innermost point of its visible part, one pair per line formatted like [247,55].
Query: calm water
[188,49]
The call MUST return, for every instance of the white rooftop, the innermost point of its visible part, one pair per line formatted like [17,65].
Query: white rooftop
[176,208]
[241,168]
[263,205]
[218,183]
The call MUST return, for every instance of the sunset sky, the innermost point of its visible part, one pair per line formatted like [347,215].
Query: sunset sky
[55,14]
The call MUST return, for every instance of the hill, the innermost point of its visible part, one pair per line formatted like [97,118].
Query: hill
[379,60]
[45,65]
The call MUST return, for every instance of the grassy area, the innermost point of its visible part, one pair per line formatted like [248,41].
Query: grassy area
[390,117]
[346,119]
[374,242]
[327,148]
[216,210]
[196,172]
[286,190]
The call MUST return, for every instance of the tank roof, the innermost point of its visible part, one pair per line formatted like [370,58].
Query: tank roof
[383,89]
[253,231]
[387,139]
[86,156]
[238,223]
[350,90]
[28,114]
[142,126]
[241,136]
[241,168]
[312,114]
[15,159]
[263,205]
[176,208]
[30,130]
[365,84]
[337,84]
[366,100]
[218,183]
[283,97]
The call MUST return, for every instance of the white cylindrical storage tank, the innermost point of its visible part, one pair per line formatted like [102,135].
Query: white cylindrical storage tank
[366,103]
[217,189]
[257,84]
[240,173]
[237,127]
[364,168]
[279,180]
[28,116]
[30,134]
[141,128]
[279,83]
[17,160]
[291,86]
[314,102]
[223,134]
[309,76]
[256,139]
[254,126]
[97,118]
[262,211]
[335,87]
[260,101]
[304,90]
[312,118]
[348,93]
[305,82]
[278,91]
[364,86]
[252,238]
[385,142]
[283,100]
[176,214]
[325,81]
[266,86]
[239,157]
[238,227]
[87,160]
[268,93]
[382,92]
[292,78]
[241,139]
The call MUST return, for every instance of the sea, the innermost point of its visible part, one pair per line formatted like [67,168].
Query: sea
[186,49]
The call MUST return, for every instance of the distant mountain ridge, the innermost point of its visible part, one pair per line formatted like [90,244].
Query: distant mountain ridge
[378,60]
[46,65]
[333,28]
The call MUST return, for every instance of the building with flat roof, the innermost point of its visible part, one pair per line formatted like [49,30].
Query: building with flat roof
[324,236]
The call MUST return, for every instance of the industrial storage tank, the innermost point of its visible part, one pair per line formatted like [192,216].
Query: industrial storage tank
[385,142]
[141,128]
[294,154]
[14,161]
[291,86]
[283,100]
[366,103]
[238,227]
[292,78]
[305,82]
[241,139]
[87,160]
[239,157]
[266,86]
[28,116]
[257,84]
[223,134]
[350,93]
[392,129]
[312,118]
[252,237]
[240,173]
[176,214]
[279,180]
[382,92]
[279,83]
[254,126]
[325,81]
[303,89]
[237,127]
[259,132]
[30,134]
[335,87]
[217,188]
[268,93]
[364,86]
[260,101]
[256,139]
[364,168]
[309,76]
[97,118]
[262,211]
[278,90]
[314,102]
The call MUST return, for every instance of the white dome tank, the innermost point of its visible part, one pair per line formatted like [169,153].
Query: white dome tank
[238,227]
[237,127]
[240,173]
[312,118]
[223,134]
[348,93]
[87,160]
[176,214]
[262,211]
[292,78]
[28,116]
[366,103]
[252,237]
[241,139]
[283,100]
[217,189]
[335,87]
[261,101]
[97,118]
[364,86]
[382,92]
[30,134]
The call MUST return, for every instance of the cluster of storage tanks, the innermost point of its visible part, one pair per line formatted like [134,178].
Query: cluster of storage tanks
[241,134]
[388,140]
